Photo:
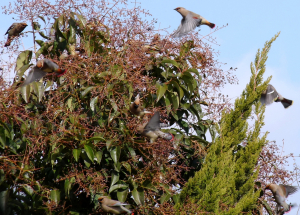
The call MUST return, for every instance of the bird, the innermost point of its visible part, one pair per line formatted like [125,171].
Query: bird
[42,68]
[152,129]
[270,95]
[280,193]
[14,31]
[189,22]
[136,109]
[112,206]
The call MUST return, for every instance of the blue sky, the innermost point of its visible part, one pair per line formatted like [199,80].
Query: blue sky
[250,24]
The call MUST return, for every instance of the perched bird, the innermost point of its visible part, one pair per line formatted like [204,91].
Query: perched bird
[189,22]
[152,129]
[42,68]
[14,31]
[112,206]
[280,193]
[135,107]
[270,95]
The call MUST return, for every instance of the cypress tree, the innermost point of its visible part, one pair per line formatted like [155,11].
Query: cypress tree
[225,183]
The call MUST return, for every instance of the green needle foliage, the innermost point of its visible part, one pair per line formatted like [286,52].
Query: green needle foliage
[226,182]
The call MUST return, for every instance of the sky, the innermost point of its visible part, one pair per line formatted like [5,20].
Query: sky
[250,25]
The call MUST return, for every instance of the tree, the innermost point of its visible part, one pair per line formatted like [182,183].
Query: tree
[66,141]
[226,182]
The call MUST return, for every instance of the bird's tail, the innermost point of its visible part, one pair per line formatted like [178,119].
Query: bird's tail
[286,102]
[61,72]
[210,24]
[8,42]
[290,207]
[167,136]
[125,209]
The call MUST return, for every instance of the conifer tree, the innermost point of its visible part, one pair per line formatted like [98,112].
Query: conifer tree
[226,182]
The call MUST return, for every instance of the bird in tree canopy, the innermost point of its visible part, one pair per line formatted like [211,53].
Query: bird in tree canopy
[152,129]
[14,31]
[189,22]
[280,193]
[112,206]
[42,68]
[136,109]
[270,95]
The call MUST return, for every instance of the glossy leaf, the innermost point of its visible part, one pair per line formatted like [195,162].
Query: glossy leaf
[99,156]
[117,186]
[86,91]
[173,62]
[165,197]
[122,195]
[55,196]
[138,196]
[76,154]
[114,177]
[23,59]
[25,92]
[161,89]
[89,151]
[115,153]
[93,103]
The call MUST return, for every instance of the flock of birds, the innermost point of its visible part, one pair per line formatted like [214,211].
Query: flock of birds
[152,128]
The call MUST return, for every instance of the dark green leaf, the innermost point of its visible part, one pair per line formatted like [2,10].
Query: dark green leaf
[25,92]
[114,177]
[117,186]
[122,195]
[76,154]
[173,62]
[89,151]
[138,196]
[165,197]
[55,196]
[99,156]
[115,153]
[86,91]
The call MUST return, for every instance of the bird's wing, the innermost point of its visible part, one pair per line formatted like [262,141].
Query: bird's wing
[270,95]
[11,27]
[153,124]
[49,66]
[188,24]
[111,209]
[118,204]
[34,74]
[289,189]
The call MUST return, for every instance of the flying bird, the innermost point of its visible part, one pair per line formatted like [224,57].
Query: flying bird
[270,95]
[280,193]
[112,206]
[152,129]
[135,107]
[42,68]
[189,22]
[14,31]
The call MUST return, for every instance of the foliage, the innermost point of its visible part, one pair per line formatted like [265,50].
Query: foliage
[225,183]
[66,141]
